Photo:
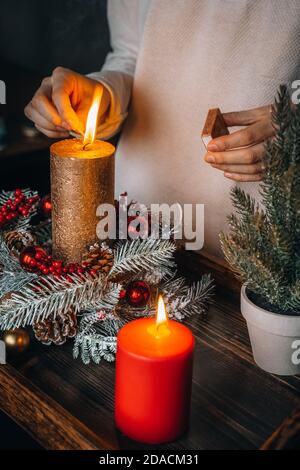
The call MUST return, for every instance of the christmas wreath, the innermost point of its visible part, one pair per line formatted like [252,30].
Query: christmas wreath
[89,301]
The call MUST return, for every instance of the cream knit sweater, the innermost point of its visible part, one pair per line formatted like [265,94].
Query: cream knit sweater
[179,58]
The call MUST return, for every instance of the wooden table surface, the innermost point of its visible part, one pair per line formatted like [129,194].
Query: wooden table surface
[64,404]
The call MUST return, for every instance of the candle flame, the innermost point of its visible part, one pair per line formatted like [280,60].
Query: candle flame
[91,122]
[160,328]
[161,314]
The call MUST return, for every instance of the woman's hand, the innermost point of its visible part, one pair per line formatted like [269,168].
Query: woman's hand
[239,155]
[62,103]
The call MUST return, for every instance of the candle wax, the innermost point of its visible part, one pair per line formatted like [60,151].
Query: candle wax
[153,380]
[81,180]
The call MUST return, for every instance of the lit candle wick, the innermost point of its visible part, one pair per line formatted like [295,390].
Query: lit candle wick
[84,147]
[91,122]
[160,328]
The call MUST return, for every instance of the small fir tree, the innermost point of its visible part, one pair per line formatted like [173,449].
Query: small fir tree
[263,246]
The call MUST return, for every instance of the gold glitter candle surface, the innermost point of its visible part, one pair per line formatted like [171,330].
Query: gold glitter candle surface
[81,179]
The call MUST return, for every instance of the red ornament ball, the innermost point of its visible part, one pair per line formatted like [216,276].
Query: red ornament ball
[122,294]
[46,206]
[137,294]
[31,256]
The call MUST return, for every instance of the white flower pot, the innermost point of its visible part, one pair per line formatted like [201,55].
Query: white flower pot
[275,339]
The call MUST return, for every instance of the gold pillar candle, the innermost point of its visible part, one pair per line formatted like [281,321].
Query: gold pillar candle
[82,177]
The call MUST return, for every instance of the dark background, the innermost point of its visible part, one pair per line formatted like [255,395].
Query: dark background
[35,37]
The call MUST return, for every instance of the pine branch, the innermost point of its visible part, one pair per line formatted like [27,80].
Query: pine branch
[14,281]
[192,300]
[250,269]
[293,299]
[94,347]
[143,256]
[263,246]
[9,262]
[46,297]
[109,298]
[97,341]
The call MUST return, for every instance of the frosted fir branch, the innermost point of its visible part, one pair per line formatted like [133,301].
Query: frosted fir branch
[9,262]
[94,347]
[14,281]
[193,300]
[293,298]
[143,256]
[47,296]
[105,304]
[174,287]
[98,341]
[109,298]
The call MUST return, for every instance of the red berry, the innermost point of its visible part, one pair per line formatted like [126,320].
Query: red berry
[45,271]
[40,255]
[80,270]
[57,264]
[32,263]
[93,272]
[65,270]
[18,192]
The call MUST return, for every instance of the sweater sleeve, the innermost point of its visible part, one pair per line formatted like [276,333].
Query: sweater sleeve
[125,19]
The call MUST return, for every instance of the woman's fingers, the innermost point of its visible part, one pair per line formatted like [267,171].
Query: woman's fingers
[241,164]
[52,134]
[63,86]
[41,110]
[241,169]
[247,117]
[240,156]
[40,120]
[253,134]
[244,178]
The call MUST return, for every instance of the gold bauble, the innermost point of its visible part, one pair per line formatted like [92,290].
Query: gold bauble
[16,340]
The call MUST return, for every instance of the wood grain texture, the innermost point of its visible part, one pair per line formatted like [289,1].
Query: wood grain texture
[235,405]
[42,417]
[287,436]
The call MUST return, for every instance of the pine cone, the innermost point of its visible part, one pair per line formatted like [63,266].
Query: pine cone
[16,241]
[56,330]
[98,257]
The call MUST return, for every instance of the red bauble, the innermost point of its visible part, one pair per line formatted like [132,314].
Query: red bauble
[122,294]
[31,256]
[46,206]
[141,230]
[137,294]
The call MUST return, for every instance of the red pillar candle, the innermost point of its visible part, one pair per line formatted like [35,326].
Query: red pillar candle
[153,378]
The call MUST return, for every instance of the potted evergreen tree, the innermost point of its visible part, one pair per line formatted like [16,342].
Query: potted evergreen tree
[263,247]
